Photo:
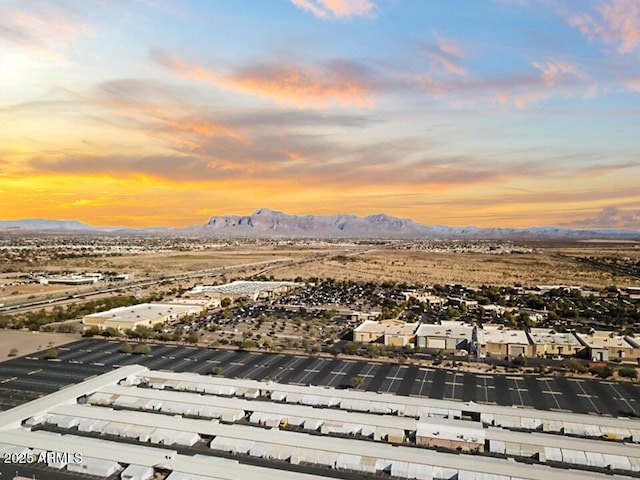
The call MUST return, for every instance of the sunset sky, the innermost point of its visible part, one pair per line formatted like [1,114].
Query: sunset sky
[458,112]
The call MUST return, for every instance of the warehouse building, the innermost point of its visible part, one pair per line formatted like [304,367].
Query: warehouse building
[145,314]
[75,280]
[390,332]
[497,341]
[447,336]
[603,346]
[588,426]
[547,342]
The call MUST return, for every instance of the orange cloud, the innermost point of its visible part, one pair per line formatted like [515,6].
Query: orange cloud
[617,23]
[337,8]
[290,85]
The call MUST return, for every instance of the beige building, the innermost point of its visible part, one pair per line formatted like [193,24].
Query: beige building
[459,302]
[497,341]
[146,314]
[390,332]
[603,346]
[546,341]
[445,336]
[362,316]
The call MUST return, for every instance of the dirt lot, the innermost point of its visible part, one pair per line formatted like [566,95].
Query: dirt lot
[29,342]
[474,269]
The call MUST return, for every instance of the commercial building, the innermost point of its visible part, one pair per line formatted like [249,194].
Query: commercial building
[85,279]
[390,332]
[497,341]
[145,314]
[448,336]
[603,346]
[547,342]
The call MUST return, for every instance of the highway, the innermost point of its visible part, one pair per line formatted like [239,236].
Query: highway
[26,306]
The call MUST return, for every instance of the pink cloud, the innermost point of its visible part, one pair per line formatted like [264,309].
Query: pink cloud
[301,86]
[633,83]
[337,8]
[615,23]
[554,71]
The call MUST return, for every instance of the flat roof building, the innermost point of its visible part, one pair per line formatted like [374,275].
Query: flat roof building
[145,314]
[448,335]
[547,341]
[603,346]
[138,436]
[498,341]
[390,332]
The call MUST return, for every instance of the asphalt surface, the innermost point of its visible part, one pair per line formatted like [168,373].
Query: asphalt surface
[23,379]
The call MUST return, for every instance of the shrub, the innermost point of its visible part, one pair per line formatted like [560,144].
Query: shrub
[13,352]
[125,347]
[602,371]
[628,372]
[52,353]
[143,349]
[519,361]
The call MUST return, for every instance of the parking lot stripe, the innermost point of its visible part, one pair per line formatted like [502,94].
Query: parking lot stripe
[553,394]
[342,372]
[621,397]
[395,377]
[584,394]
[378,378]
[408,381]
[311,371]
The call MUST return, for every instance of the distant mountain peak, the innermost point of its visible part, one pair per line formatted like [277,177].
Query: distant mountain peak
[265,222]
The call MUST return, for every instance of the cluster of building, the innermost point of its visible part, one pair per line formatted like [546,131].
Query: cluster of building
[243,288]
[140,424]
[497,340]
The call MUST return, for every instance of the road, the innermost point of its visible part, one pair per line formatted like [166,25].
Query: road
[26,306]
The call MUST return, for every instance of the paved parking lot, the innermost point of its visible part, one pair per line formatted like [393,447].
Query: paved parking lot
[22,379]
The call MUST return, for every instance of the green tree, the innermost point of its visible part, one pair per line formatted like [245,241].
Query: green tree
[453,312]
[193,337]
[125,347]
[110,332]
[225,302]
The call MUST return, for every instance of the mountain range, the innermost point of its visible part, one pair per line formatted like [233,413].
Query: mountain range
[266,223]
